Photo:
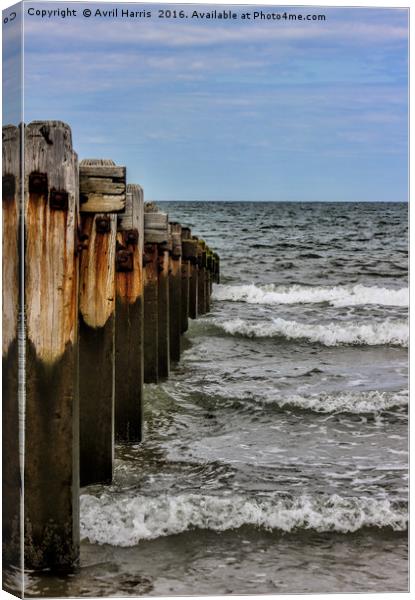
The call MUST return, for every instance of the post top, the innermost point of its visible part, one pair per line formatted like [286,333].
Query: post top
[103,162]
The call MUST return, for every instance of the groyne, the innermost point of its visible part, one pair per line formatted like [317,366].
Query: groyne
[98,290]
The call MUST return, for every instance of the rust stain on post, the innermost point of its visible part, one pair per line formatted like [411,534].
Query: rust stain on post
[51,492]
[150,260]
[190,250]
[184,320]
[11,499]
[175,292]
[163,310]
[97,273]
[97,342]
[129,330]
[51,293]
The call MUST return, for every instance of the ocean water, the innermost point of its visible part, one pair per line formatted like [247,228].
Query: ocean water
[275,456]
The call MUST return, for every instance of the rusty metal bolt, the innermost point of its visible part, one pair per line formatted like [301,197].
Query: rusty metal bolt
[124,260]
[131,236]
[82,237]
[8,187]
[103,224]
[58,199]
[38,183]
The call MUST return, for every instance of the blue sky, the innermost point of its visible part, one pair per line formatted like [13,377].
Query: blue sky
[220,110]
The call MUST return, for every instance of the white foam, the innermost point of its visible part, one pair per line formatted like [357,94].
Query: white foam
[387,332]
[300,294]
[350,402]
[125,521]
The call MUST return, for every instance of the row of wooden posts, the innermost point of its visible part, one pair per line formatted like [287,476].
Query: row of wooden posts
[98,288]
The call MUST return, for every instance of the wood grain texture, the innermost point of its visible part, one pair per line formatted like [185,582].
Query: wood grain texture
[184,319]
[175,306]
[129,331]
[97,343]
[201,280]
[102,186]
[11,224]
[163,313]
[51,477]
[150,313]
[50,263]
[11,489]
[97,272]
[156,228]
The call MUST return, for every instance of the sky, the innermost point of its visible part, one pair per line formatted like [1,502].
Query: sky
[236,110]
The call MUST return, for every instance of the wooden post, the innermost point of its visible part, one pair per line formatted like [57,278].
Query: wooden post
[212,270]
[175,291]
[201,284]
[217,268]
[155,233]
[164,250]
[98,178]
[190,251]
[129,373]
[208,289]
[184,318]
[12,304]
[51,470]
[150,278]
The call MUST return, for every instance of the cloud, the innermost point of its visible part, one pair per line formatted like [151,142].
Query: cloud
[209,33]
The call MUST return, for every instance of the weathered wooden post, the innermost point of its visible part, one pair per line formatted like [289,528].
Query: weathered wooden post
[129,331]
[212,271]
[175,291]
[184,318]
[102,195]
[12,305]
[155,233]
[150,278]
[201,283]
[217,268]
[51,461]
[164,250]
[208,283]
[190,251]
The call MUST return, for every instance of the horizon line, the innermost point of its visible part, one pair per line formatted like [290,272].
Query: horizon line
[291,201]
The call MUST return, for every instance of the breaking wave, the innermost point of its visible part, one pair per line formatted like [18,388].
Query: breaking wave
[352,402]
[299,294]
[348,402]
[387,332]
[125,521]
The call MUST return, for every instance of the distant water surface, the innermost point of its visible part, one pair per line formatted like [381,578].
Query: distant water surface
[275,457]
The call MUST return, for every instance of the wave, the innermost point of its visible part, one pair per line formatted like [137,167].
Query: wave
[345,402]
[337,296]
[125,521]
[352,402]
[387,332]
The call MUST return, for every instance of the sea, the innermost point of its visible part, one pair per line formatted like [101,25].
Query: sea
[275,457]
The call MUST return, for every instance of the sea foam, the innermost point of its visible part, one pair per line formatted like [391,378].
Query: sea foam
[387,332]
[125,521]
[350,402]
[299,294]
[362,402]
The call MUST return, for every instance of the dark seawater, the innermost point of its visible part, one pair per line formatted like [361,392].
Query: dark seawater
[275,457]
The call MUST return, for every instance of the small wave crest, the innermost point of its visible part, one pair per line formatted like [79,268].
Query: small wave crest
[347,402]
[126,521]
[299,294]
[387,332]
[352,402]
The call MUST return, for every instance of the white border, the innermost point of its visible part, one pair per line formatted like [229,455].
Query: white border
[333,3]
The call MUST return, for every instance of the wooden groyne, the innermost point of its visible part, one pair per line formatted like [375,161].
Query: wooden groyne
[109,287]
